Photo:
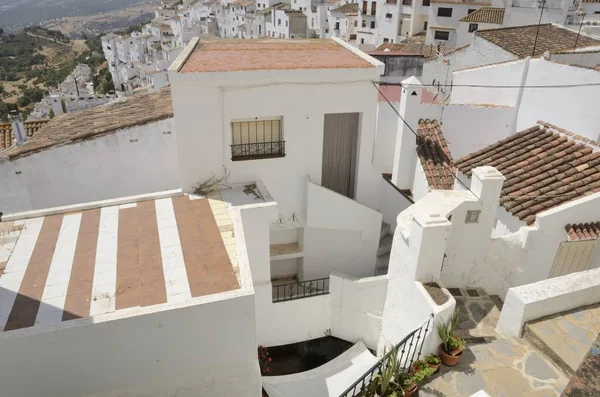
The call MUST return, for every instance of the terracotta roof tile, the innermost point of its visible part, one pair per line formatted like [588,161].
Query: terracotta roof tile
[543,169]
[520,39]
[348,8]
[435,155]
[7,136]
[427,51]
[486,15]
[583,231]
[100,120]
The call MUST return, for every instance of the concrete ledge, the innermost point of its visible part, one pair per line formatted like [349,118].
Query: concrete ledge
[555,295]
[92,204]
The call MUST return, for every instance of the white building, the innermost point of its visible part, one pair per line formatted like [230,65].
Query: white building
[483,19]
[509,44]
[444,20]
[263,220]
[344,22]
[286,24]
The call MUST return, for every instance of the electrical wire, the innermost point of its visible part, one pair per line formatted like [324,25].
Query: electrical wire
[417,136]
[510,196]
[495,86]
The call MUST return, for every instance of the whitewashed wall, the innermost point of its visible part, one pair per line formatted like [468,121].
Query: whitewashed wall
[480,52]
[420,185]
[470,128]
[392,204]
[415,258]
[109,166]
[523,257]
[544,298]
[385,141]
[206,348]
[301,98]
[464,37]
[585,58]
[574,109]
[340,235]
[459,11]
[357,307]
[508,73]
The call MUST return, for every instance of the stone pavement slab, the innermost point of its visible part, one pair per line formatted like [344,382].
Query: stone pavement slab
[568,335]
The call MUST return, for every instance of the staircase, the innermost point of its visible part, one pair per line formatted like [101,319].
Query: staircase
[383,253]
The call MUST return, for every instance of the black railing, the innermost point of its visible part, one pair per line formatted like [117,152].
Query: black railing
[300,289]
[259,150]
[409,350]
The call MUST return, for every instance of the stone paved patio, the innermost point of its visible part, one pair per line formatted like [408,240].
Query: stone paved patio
[567,335]
[503,367]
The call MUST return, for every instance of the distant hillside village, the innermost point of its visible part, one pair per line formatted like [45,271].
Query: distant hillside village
[425,28]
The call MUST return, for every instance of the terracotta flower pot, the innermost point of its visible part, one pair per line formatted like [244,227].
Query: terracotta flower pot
[449,359]
[436,367]
[410,391]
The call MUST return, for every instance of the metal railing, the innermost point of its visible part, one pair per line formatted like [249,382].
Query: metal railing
[409,350]
[259,150]
[300,289]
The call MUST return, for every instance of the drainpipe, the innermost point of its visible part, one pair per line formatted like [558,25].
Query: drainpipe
[520,94]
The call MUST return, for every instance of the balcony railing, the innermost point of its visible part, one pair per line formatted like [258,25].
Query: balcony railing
[409,350]
[300,289]
[259,150]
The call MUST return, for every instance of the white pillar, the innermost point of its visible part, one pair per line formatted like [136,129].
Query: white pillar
[486,184]
[405,154]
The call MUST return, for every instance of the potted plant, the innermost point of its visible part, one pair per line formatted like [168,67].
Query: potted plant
[433,361]
[452,346]
[418,365]
[410,381]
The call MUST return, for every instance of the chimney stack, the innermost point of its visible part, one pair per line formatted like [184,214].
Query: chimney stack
[16,119]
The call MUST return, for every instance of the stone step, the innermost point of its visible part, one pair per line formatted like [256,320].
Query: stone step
[385,245]
[385,230]
[566,337]
[381,266]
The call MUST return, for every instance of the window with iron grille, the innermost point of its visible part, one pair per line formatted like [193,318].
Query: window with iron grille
[257,139]
[473,27]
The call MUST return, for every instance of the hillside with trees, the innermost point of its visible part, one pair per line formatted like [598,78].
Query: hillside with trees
[38,60]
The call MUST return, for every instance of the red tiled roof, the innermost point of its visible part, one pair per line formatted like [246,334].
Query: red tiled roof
[583,231]
[7,136]
[486,15]
[543,169]
[435,155]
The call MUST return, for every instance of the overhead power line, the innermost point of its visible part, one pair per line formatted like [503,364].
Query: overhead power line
[495,86]
[417,136]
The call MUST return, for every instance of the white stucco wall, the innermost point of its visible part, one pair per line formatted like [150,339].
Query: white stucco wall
[107,167]
[183,350]
[538,104]
[480,52]
[385,141]
[357,307]
[574,109]
[459,11]
[584,58]
[420,185]
[523,257]
[340,235]
[544,298]
[301,98]
[392,204]
[508,73]
[468,128]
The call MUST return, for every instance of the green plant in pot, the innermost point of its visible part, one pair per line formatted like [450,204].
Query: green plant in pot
[384,383]
[410,381]
[433,361]
[452,346]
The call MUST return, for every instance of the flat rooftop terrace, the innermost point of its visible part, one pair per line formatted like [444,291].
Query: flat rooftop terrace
[270,54]
[73,265]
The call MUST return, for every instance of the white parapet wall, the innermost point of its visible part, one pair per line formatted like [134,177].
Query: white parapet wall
[547,297]
[357,307]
